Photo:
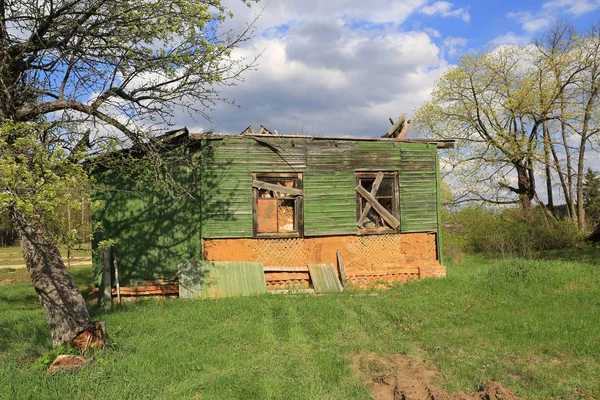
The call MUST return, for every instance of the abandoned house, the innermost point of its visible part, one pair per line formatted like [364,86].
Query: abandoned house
[273,212]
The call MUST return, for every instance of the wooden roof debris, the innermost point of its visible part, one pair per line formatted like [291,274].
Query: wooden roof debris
[399,129]
[249,131]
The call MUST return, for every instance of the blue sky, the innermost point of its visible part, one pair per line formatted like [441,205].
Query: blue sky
[342,67]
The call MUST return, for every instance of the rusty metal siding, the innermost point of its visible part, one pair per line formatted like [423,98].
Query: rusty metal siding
[418,188]
[227,180]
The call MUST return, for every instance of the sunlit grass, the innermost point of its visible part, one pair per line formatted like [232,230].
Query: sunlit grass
[532,325]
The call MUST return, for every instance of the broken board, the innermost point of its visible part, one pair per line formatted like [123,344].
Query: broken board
[210,279]
[324,278]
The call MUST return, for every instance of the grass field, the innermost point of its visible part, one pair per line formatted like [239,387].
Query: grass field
[12,256]
[532,325]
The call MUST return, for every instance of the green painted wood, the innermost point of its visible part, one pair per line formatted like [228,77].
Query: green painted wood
[438,235]
[417,179]
[227,206]
[211,279]
[324,278]
[154,233]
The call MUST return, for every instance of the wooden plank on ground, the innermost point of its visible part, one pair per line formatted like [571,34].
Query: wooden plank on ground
[209,279]
[341,269]
[324,278]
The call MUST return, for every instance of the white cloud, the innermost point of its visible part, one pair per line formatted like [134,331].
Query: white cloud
[334,68]
[432,32]
[444,9]
[530,22]
[455,45]
[573,7]
[510,38]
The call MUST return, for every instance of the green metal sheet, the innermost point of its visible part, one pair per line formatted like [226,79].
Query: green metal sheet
[324,278]
[209,279]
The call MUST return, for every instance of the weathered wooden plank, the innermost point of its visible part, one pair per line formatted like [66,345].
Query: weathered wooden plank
[106,279]
[341,269]
[285,269]
[266,216]
[324,278]
[374,190]
[276,188]
[385,214]
[286,276]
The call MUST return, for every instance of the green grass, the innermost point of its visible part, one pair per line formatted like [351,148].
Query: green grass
[13,255]
[532,325]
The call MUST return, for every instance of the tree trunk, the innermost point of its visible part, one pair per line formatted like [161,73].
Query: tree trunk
[524,186]
[63,304]
[547,165]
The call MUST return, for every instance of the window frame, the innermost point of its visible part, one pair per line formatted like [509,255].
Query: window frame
[298,205]
[395,200]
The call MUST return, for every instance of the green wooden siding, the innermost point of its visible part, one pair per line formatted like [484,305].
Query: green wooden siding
[227,180]
[418,188]
[330,182]
[154,232]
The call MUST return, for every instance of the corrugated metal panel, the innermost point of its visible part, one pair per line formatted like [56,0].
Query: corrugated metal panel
[208,279]
[418,188]
[324,278]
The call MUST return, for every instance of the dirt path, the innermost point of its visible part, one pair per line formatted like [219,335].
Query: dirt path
[400,377]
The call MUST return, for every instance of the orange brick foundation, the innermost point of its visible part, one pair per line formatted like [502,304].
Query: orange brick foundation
[367,259]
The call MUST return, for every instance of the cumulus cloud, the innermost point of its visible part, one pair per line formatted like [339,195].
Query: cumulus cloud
[550,11]
[573,7]
[331,68]
[531,22]
[455,45]
[445,9]
[510,38]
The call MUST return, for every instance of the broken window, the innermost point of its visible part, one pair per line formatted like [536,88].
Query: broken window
[377,202]
[277,204]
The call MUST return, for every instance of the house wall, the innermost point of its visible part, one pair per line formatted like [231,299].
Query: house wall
[329,168]
[154,232]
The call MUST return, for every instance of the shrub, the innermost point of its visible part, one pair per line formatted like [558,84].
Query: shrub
[506,233]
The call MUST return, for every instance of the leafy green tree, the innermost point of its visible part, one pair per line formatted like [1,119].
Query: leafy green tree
[81,76]
[516,111]
[591,197]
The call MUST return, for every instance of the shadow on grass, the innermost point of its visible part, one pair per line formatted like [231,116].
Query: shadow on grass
[589,255]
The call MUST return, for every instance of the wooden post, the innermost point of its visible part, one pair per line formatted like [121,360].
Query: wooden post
[106,279]
[117,281]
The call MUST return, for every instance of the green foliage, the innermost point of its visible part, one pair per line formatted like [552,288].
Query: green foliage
[35,179]
[591,198]
[506,233]
[43,362]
